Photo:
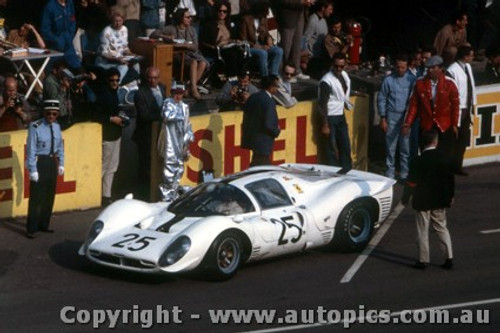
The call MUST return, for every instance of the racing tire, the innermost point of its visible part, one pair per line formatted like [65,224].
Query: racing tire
[354,228]
[223,258]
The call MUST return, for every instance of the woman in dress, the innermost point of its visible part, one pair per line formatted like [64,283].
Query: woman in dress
[183,33]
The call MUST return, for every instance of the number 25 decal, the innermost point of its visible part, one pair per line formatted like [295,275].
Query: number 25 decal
[136,245]
[285,225]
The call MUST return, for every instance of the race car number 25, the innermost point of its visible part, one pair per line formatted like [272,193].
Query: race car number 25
[289,222]
[134,242]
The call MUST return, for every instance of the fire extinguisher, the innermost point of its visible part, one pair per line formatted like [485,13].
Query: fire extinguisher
[354,52]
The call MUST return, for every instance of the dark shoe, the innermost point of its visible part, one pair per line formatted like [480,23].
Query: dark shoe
[420,265]
[402,181]
[30,235]
[50,231]
[106,201]
[448,264]
[461,172]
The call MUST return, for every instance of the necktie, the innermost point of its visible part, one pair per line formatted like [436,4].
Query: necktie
[342,82]
[51,140]
[158,97]
[469,88]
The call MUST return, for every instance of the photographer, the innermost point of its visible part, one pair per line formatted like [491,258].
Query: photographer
[112,120]
[14,110]
[234,94]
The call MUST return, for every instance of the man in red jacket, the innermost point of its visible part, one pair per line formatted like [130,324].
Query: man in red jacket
[435,98]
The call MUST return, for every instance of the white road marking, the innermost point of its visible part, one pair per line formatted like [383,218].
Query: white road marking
[492,231]
[464,305]
[372,244]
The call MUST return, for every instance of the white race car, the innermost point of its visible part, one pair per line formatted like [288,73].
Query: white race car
[256,214]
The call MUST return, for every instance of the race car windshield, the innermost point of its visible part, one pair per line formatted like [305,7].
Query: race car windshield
[212,199]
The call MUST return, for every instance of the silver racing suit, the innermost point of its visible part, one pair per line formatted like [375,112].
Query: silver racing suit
[173,145]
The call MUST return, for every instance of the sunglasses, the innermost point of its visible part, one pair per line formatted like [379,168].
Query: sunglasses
[187,17]
[222,11]
[51,114]
[289,74]
[114,80]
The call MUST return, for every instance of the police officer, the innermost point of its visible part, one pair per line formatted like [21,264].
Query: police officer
[45,161]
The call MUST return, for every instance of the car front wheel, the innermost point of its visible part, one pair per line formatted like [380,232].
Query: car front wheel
[224,257]
[354,228]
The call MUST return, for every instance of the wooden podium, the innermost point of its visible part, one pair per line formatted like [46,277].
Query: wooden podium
[157,54]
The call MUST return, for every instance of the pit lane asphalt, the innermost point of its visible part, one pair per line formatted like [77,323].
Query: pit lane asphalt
[39,277]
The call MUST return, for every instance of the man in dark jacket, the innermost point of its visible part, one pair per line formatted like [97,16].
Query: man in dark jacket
[112,124]
[432,183]
[260,122]
[148,103]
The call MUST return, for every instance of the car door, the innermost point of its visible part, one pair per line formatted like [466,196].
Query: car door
[281,225]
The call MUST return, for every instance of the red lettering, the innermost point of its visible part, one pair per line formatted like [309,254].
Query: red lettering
[200,153]
[61,186]
[6,173]
[301,143]
[231,151]
[279,145]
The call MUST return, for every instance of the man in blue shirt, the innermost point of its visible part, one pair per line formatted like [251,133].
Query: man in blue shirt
[392,102]
[45,161]
[58,28]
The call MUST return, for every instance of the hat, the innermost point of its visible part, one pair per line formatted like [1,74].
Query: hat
[67,73]
[178,87]
[51,104]
[434,61]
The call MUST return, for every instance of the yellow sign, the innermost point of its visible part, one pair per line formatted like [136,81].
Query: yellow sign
[79,188]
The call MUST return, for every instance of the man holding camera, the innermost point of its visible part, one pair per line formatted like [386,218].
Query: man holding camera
[234,94]
[112,121]
[14,110]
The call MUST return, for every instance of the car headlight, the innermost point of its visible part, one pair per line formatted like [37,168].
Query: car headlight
[175,251]
[94,231]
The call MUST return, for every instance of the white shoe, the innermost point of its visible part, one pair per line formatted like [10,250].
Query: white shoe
[293,80]
[302,76]
[203,90]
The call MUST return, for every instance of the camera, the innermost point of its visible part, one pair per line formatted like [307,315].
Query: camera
[125,118]
[17,101]
[240,90]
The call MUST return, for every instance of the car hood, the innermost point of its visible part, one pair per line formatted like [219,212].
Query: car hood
[146,240]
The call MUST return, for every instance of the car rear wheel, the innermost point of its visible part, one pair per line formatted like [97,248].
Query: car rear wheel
[354,228]
[224,257]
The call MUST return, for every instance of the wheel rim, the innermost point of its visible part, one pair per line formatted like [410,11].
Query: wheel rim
[228,255]
[359,225]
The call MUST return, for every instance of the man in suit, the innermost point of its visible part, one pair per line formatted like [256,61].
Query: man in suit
[432,183]
[148,103]
[334,91]
[461,72]
[260,122]
[435,99]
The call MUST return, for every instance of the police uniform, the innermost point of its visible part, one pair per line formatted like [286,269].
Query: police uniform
[45,161]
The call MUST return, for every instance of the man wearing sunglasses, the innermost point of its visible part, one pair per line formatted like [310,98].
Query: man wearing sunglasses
[112,121]
[334,92]
[45,161]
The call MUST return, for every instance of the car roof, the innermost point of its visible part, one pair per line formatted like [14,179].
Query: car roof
[308,174]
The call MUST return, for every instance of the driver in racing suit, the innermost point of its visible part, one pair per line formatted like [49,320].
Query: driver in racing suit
[173,142]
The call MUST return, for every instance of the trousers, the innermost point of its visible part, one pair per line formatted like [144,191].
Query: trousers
[42,194]
[436,217]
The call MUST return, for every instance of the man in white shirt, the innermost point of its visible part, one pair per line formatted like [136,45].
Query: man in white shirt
[461,72]
[334,91]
